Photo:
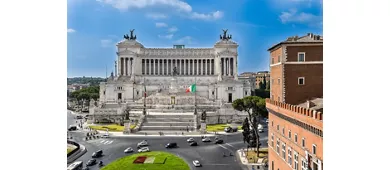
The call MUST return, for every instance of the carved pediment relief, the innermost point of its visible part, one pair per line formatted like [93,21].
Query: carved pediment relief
[126,52]
[227,52]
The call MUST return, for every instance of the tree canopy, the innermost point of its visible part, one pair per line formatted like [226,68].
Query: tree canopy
[88,93]
[251,103]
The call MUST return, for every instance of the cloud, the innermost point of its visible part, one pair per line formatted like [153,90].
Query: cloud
[173,29]
[70,30]
[169,36]
[161,24]
[212,16]
[302,18]
[106,43]
[185,40]
[126,4]
[179,5]
[156,16]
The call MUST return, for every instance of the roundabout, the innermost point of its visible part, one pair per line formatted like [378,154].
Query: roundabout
[155,160]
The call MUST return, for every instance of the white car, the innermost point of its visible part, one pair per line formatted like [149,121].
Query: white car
[196,163]
[106,136]
[142,144]
[145,149]
[206,140]
[190,140]
[128,150]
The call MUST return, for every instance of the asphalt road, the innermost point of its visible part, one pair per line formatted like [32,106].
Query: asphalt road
[209,154]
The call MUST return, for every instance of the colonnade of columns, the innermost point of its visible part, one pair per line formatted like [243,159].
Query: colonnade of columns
[125,66]
[228,66]
[183,66]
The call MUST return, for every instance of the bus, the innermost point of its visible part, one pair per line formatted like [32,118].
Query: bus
[76,166]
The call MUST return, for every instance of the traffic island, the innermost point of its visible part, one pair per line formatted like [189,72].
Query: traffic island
[110,127]
[154,160]
[70,148]
[220,127]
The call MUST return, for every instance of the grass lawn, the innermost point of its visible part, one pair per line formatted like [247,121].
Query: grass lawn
[172,162]
[69,150]
[219,127]
[111,128]
[252,155]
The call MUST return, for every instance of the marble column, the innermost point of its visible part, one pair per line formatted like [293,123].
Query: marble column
[185,67]
[207,67]
[121,66]
[193,67]
[180,67]
[210,67]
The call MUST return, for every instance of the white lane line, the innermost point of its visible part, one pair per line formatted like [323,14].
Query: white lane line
[229,145]
[223,146]
[102,141]
[109,142]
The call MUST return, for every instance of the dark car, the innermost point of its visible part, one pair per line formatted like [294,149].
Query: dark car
[79,117]
[91,162]
[171,145]
[219,141]
[97,154]
[193,143]
[234,129]
[71,128]
[228,129]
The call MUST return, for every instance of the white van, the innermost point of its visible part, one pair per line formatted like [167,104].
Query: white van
[76,166]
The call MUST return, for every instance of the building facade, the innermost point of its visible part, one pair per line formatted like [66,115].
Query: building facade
[260,77]
[157,78]
[297,69]
[295,135]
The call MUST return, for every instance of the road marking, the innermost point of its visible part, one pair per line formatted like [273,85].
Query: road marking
[109,142]
[223,146]
[102,141]
[229,145]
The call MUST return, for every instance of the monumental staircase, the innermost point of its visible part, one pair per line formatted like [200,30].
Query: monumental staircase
[169,121]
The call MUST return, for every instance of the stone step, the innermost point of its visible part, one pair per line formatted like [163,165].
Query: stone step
[163,128]
[170,116]
[168,123]
[169,119]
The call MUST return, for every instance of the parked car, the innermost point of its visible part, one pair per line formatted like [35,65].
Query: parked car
[79,117]
[219,141]
[144,149]
[206,139]
[193,143]
[128,150]
[171,145]
[105,135]
[97,154]
[91,162]
[190,140]
[228,129]
[196,163]
[142,144]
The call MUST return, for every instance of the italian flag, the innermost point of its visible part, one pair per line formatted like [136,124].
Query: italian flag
[191,89]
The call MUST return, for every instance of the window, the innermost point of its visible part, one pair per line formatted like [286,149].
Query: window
[314,149]
[272,60]
[301,56]
[284,151]
[296,162]
[283,131]
[272,140]
[278,99]
[278,81]
[278,59]
[104,92]
[296,138]
[212,93]
[303,164]
[246,93]
[272,97]
[277,146]
[301,80]
[272,165]
[272,123]
[289,134]
[303,142]
[289,157]
[277,127]
[230,88]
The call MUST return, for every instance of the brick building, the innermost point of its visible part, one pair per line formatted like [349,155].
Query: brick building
[260,76]
[295,135]
[296,69]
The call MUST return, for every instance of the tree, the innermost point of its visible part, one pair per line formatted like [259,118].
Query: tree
[264,83]
[254,106]
[94,96]
[245,132]
[267,86]
[261,85]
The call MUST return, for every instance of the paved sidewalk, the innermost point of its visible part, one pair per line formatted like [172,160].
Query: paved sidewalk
[244,161]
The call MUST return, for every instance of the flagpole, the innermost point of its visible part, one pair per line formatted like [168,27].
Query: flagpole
[195,95]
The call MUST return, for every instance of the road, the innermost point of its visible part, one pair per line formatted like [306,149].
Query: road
[209,154]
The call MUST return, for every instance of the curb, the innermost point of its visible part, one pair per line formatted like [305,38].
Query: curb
[77,154]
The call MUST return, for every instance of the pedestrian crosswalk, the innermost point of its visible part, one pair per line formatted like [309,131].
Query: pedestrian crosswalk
[101,142]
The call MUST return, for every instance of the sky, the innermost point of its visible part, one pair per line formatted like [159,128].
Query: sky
[96,26]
